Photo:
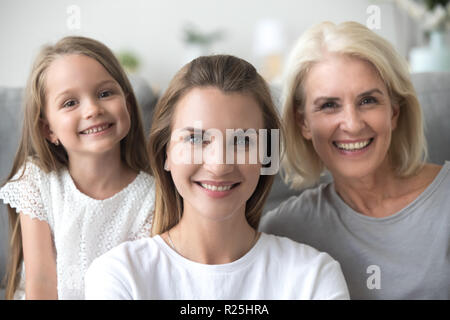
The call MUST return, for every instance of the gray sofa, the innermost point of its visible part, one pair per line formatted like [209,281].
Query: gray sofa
[433,90]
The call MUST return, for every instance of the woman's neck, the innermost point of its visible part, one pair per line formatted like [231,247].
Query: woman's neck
[383,193]
[211,242]
[100,176]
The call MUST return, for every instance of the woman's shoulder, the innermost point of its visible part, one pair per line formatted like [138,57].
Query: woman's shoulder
[295,250]
[127,253]
[302,205]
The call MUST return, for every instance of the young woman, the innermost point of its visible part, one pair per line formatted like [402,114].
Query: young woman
[208,202]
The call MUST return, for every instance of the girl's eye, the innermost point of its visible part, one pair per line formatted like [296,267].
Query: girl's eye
[105,94]
[69,103]
[368,100]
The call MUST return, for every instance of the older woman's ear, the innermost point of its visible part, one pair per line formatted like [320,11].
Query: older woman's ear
[302,123]
[395,115]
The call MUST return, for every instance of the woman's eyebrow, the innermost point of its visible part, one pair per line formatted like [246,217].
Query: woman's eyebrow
[365,93]
[369,92]
[325,98]
[192,129]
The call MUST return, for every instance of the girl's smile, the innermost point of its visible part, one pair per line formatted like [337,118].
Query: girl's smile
[86,109]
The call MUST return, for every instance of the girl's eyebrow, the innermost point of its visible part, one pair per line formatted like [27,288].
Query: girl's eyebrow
[102,83]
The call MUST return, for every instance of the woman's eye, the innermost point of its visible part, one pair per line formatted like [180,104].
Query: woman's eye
[69,103]
[368,100]
[328,105]
[194,139]
[242,141]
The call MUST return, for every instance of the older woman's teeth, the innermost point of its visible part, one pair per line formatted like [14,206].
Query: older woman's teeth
[96,129]
[353,146]
[216,188]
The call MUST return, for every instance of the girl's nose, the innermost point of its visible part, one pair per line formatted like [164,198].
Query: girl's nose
[92,109]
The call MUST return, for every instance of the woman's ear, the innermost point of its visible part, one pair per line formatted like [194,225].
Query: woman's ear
[302,123]
[395,115]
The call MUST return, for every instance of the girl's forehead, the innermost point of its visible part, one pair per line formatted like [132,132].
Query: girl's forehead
[212,108]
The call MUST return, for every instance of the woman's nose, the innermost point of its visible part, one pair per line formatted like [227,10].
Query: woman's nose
[215,160]
[351,120]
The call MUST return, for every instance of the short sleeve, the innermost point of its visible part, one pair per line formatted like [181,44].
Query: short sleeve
[23,192]
[330,283]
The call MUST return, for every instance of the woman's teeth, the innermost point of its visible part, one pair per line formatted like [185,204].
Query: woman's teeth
[353,146]
[216,188]
[96,129]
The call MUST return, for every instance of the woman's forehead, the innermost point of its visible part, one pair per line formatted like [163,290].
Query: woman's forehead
[213,108]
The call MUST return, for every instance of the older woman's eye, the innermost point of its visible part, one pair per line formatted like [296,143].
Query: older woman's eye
[328,105]
[368,100]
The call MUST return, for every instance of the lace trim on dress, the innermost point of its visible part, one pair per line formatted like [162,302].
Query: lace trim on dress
[23,193]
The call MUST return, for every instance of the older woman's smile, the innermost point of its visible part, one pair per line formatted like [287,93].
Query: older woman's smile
[353,146]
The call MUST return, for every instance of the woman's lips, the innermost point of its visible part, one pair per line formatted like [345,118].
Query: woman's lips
[217,189]
[353,146]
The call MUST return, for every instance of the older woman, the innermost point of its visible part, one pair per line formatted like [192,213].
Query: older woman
[350,108]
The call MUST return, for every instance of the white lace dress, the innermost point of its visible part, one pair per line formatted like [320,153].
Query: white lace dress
[82,228]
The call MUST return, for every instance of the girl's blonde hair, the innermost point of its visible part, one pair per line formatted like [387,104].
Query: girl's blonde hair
[49,157]
[302,166]
[230,75]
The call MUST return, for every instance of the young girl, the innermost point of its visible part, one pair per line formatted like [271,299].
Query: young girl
[207,207]
[80,180]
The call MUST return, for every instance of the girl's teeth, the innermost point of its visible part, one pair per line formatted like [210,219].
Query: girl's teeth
[97,129]
[353,146]
[216,188]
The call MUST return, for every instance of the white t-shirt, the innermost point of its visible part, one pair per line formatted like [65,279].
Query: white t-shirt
[82,228]
[275,268]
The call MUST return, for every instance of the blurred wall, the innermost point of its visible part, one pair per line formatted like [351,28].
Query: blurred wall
[153,28]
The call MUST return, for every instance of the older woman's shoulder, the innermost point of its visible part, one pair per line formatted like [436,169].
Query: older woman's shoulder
[297,208]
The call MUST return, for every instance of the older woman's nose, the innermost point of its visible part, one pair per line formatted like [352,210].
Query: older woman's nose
[351,120]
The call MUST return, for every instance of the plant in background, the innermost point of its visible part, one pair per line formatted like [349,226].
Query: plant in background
[128,60]
[192,36]
[434,15]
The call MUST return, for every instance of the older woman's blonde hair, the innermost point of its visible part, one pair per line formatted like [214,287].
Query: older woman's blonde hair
[302,166]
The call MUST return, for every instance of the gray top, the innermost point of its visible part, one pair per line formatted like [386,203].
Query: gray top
[403,256]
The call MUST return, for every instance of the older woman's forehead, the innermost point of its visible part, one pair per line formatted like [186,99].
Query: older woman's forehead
[343,73]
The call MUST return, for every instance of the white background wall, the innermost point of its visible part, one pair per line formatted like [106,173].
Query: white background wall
[153,28]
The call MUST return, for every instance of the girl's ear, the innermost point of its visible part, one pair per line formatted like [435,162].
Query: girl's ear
[47,132]
[302,123]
